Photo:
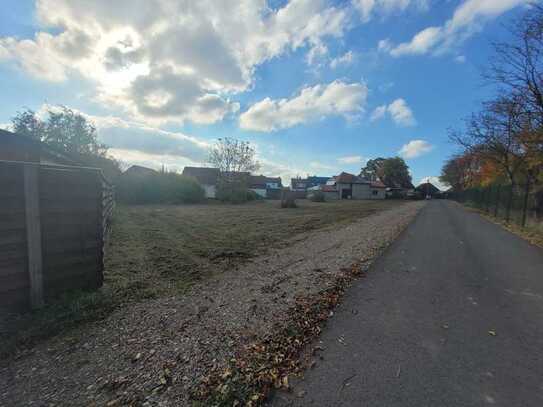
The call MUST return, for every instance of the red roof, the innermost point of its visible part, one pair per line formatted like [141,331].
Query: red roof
[328,188]
[346,178]
[378,184]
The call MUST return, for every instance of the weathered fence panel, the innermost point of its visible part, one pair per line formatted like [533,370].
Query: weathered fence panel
[520,205]
[51,231]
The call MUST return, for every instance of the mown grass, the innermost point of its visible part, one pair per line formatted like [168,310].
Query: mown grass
[161,250]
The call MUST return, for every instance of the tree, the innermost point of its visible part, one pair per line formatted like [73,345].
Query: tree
[27,124]
[517,68]
[464,171]
[493,136]
[396,173]
[373,170]
[235,159]
[69,132]
[393,172]
[64,130]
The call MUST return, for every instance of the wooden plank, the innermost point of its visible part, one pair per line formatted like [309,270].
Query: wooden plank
[14,282]
[57,261]
[14,299]
[13,236]
[71,282]
[62,246]
[12,221]
[8,268]
[33,233]
[84,269]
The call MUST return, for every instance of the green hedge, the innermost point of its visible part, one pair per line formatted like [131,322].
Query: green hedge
[167,188]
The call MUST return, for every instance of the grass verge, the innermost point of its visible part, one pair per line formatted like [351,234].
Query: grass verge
[531,233]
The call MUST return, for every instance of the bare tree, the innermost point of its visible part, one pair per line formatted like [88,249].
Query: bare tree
[494,135]
[236,160]
[517,68]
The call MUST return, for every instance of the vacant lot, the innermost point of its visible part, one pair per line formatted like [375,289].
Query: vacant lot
[159,351]
[158,250]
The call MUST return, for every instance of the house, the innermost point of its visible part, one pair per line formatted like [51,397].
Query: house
[139,171]
[266,187]
[15,147]
[206,177]
[427,189]
[397,190]
[349,186]
[303,184]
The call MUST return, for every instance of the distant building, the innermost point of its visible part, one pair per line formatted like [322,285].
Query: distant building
[206,177]
[266,187]
[138,171]
[349,186]
[303,184]
[427,189]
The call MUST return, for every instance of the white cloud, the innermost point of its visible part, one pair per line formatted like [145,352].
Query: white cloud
[421,43]
[379,113]
[415,148]
[401,113]
[460,59]
[317,165]
[343,60]
[369,8]
[312,103]
[169,60]
[468,18]
[124,135]
[398,110]
[315,53]
[352,159]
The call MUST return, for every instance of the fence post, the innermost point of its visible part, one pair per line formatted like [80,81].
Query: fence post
[487,200]
[497,201]
[33,233]
[525,203]
[509,204]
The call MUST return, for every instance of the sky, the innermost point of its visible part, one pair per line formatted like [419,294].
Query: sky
[317,86]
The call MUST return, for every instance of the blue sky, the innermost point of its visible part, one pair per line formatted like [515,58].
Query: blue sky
[317,86]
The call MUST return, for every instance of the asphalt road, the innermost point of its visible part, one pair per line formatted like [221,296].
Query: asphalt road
[418,331]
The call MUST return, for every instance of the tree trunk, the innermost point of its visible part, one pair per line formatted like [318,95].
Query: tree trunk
[497,201]
[525,203]
[509,204]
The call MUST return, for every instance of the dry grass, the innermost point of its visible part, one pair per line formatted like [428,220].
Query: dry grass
[532,232]
[159,250]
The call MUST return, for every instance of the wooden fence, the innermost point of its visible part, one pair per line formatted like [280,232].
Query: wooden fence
[53,220]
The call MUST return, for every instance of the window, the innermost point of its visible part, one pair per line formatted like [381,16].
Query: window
[375,192]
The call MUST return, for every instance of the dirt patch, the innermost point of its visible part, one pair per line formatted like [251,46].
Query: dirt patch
[158,352]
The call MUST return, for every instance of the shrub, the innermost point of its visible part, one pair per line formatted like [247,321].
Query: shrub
[288,201]
[166,187]
[236,195]
[317,196]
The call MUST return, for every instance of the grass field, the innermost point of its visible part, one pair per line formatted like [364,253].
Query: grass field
[157,250]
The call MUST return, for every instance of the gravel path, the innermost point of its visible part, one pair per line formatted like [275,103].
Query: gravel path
[153,353]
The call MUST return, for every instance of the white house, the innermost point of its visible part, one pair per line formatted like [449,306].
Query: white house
[206,177]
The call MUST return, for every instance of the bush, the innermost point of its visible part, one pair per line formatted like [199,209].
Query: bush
[166,188]
[236,195]
[317,196]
